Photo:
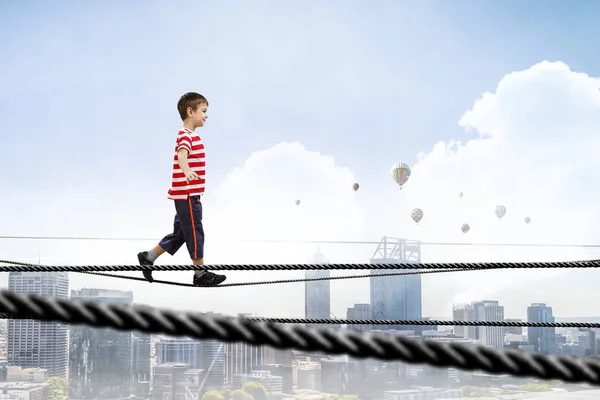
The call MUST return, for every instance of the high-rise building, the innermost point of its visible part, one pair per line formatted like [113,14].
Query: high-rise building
[360,312]
[141,345]
[317,300]
[464,312]
[396,297]
[489,310]
[100,359]
[35,344]
[542,339]
[241,358]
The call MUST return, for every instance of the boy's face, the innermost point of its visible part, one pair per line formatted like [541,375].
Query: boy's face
[199,115]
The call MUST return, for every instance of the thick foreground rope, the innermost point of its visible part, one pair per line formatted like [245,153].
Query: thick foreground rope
[299,267]
[280,336]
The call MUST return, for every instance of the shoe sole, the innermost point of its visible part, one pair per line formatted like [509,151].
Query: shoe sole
[215,281]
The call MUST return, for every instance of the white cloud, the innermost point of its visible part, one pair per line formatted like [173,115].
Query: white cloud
[535,154]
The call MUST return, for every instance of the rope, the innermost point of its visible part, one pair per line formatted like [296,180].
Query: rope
[274,282]
[259,333]
[134,278]
[369,242]
[299,267]
[331,321]
[404,322]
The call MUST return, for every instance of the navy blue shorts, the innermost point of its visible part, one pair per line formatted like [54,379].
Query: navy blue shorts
[187,228]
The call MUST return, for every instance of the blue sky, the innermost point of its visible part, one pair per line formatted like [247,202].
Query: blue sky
[344,78]
[88,94]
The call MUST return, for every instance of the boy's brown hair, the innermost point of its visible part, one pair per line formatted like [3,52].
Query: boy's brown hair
[190,99]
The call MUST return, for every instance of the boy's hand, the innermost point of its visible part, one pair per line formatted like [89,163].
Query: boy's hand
[191,176]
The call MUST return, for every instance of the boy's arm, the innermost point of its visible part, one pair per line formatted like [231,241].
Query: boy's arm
[182,160]
[184,147]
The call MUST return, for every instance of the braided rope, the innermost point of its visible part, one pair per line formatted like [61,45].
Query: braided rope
[298,267]
[329,278]
[404,322]
[354,344]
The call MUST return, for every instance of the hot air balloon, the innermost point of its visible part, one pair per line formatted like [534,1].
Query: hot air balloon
[465,228]
[460,195]
[417,215]
[355,186]
[500,211]
[297,202]
[400,173]
[527,220]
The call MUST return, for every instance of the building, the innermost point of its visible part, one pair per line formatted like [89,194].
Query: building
[181,351]
[542,339]
[208,355]
[24,391]
[317,294]
[35,344]
[100,359]
[396,297]
[141,369]
[241,359]
[513,330]
[176,381]
[273,384]
[489,310]
[464,312]
[31,375]
[335,376]
[360,312]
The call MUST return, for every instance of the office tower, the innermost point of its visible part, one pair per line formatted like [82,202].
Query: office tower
[141,344]
[317,302]
[396,297]
[464,312]
[100,360]
[360,312]
[489,310]
[35,344]
[542,339]
[241,358]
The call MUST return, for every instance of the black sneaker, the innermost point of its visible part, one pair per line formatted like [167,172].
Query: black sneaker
[208,279]
[143,260]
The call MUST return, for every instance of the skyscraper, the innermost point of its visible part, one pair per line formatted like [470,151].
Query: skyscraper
[542,339]
[100,362]
[317,302]
[396,297]
[489,310]
[141,345]
[35,344]
[464,312]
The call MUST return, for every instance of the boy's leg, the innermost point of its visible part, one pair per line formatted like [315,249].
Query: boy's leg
[190,215]
[170,244]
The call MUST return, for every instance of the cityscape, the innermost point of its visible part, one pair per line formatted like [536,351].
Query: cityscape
[51,361]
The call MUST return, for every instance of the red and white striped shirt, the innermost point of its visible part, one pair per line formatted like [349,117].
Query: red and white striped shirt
[180,189]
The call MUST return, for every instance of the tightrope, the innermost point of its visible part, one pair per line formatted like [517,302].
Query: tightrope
[282,336]
[300,267]
[253,283]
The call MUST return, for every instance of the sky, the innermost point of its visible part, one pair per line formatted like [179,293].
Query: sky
[498,100]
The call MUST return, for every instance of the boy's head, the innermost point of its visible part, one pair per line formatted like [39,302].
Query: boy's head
[193,107]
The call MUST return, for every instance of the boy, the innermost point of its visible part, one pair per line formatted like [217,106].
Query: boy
[187,188]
